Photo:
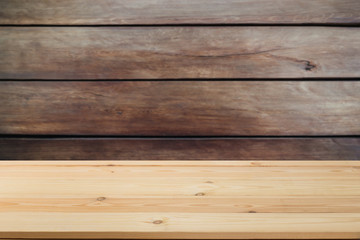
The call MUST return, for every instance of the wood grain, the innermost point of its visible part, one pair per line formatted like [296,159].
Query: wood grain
[168,199]
[181,52]
[180,149]
[180,108]
[122,12]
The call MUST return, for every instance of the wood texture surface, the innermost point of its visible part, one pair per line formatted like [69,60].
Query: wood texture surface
[165,200]
[178,12]
[181,52]
[180,149]
[180,108]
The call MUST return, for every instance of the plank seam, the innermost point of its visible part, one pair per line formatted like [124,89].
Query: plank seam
[355,25]
[66,136]
[318,79]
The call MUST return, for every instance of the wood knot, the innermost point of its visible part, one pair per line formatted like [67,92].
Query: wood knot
[101,199]
[309,66]
[157,222]
[252,211]
[209,182]
[200,194]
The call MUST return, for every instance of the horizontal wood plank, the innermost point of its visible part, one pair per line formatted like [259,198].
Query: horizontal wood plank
[168,199]
[181,52]
[180,149]
[122,12]
[180,108]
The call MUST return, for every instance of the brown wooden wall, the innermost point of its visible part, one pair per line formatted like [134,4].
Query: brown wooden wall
[178,80]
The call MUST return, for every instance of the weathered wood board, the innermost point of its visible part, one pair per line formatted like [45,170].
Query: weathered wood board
[150,12]
[291,148]
[70,53]
[180,108]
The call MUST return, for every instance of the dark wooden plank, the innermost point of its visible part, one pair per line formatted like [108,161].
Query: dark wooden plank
[181,149]
[181,52]
[178,12]
[174,108]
